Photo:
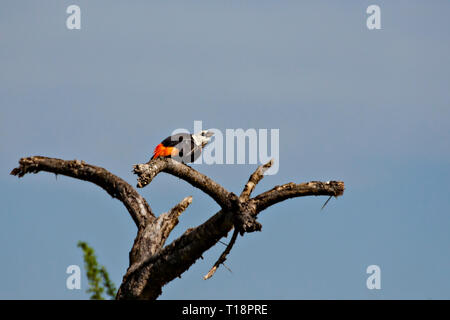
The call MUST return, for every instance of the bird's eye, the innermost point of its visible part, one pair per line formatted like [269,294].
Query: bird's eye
[203,134]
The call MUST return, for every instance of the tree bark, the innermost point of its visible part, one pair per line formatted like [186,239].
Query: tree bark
[152,263]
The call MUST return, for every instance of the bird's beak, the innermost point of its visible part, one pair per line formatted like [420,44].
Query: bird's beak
[209,134]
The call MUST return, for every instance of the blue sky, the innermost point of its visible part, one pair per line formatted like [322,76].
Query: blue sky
[371,108]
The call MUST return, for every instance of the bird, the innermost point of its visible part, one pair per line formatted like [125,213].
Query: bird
[183,147]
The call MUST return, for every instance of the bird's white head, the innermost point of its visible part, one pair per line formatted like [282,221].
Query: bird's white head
[202,138]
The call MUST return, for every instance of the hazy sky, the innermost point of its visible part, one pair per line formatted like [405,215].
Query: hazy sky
[369,107]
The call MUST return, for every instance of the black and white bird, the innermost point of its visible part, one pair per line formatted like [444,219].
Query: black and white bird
[183,147]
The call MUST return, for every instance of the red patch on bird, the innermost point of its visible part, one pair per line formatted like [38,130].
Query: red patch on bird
[162,151]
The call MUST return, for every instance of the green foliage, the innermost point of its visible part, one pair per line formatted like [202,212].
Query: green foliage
[96,274]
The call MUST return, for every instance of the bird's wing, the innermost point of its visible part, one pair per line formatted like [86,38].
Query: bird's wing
[193,153]
[170,145]
[174,140]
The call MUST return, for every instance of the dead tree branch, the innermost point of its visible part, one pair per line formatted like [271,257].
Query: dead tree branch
[223,256]
[152,263]
[117,188]
[146,172]
[255,178]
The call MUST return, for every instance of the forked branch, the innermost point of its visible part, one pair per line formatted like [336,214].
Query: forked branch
[152,263]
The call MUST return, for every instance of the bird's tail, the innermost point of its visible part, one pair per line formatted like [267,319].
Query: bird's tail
[158,151]
[162,151]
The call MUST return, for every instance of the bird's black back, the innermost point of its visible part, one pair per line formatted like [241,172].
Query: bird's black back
[188,150]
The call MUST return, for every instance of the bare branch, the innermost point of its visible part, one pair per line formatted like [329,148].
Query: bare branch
[245,195]
[136,205]
[254,179]
[223,256]
[146,279]
[152,237]
[151,264]
[146,172]
[170,219]
[323,206]
[292,190]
